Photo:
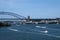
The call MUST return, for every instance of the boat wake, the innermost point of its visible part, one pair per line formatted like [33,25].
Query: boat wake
[40,26]
[13,29]
[41,32]
[44,27]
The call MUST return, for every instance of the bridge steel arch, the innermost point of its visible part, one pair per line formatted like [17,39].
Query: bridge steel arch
[13,14]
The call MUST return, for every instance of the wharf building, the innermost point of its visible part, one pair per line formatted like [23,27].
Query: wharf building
[42,21]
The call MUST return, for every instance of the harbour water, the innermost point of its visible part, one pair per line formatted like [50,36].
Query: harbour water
[31,32]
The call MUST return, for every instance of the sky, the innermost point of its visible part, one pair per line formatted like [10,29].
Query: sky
[32,8]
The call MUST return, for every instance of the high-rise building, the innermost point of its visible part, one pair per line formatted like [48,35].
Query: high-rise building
[28,19]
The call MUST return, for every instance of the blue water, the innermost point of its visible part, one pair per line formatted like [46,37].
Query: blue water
[31,32]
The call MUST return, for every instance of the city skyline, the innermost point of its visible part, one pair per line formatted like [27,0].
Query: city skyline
[32,8]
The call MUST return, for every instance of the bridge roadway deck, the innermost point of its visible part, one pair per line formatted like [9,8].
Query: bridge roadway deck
[10,19]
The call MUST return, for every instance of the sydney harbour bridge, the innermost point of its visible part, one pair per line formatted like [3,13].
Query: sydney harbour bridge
[12,17]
